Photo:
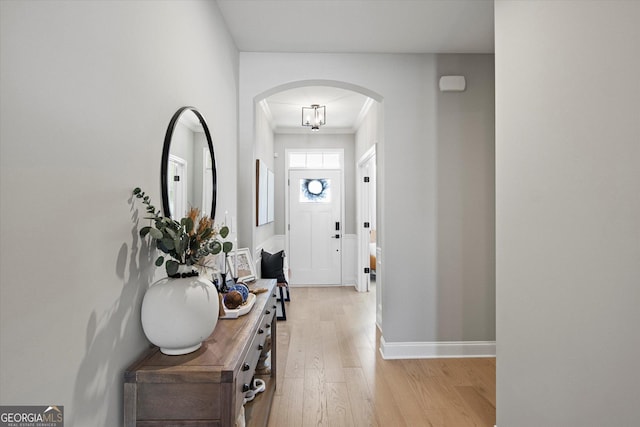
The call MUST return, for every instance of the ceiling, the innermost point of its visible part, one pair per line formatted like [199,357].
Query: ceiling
[352,26]
[344,108]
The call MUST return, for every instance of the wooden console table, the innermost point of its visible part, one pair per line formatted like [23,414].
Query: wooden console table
[207,387]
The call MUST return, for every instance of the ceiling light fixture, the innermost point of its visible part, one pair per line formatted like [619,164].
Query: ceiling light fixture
[314,116]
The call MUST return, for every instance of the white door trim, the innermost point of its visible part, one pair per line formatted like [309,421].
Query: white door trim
[287,153]
[362,199]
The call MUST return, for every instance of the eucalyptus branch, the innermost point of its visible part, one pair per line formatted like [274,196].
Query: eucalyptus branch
[182,240]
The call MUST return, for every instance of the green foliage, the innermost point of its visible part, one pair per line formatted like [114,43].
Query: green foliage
[187,241]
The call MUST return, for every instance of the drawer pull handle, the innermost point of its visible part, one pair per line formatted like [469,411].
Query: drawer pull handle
[260,347]
[246,367]
[260,331]
[268,312]
[268,325]
[246,388]
[274,295]
[274,307]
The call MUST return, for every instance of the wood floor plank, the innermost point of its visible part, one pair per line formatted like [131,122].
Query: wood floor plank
[330,347]
[483,375]
[387,411]
[360,398]
[313,347]
[315,399]
[286,410]
[455,410]
[283,339]
[412,411]
[296,356]
[330,372]
[339,405]
[483,409]
[422,384]
[349,336]
[331,351]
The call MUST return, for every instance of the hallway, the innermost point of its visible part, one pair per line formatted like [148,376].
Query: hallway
[330,372]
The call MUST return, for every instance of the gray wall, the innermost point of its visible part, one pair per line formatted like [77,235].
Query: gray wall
[568,213]
[416,125]
[466,201]
[88,89]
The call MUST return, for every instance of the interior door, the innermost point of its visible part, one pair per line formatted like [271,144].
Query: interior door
[177,186]
[315,227]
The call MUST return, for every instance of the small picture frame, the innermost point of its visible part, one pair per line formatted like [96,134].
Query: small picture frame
[241,265]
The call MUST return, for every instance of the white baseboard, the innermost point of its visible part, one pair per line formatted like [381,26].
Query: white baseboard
[431,350]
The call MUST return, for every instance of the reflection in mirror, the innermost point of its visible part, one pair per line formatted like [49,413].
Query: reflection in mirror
[188,170]
[265,191]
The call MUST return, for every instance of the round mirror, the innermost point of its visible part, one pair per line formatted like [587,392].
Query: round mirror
[188,170]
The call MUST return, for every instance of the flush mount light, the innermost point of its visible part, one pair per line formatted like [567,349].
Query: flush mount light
[314,116]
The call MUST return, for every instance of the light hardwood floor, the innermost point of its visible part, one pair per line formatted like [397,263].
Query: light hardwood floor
[330,372]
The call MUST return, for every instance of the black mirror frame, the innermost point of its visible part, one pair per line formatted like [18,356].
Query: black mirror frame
[165,160]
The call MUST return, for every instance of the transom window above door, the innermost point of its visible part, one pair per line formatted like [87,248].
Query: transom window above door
[322,159]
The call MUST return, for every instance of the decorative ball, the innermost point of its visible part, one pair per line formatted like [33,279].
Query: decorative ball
[232,299]
[242,289]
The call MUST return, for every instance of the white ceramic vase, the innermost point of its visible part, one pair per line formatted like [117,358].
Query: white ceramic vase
[179,314]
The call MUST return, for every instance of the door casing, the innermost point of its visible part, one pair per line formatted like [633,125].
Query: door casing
[340,152]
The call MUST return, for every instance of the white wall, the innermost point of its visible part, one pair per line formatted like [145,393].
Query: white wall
[568,213]
[408,187]
[88,89]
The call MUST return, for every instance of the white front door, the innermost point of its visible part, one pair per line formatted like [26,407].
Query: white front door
[315,227]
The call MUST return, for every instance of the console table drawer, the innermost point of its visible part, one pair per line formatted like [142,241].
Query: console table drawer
[169,401]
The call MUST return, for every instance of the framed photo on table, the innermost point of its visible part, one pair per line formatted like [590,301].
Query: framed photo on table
[241,265]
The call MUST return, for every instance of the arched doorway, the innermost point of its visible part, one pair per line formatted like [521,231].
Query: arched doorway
[292,137]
